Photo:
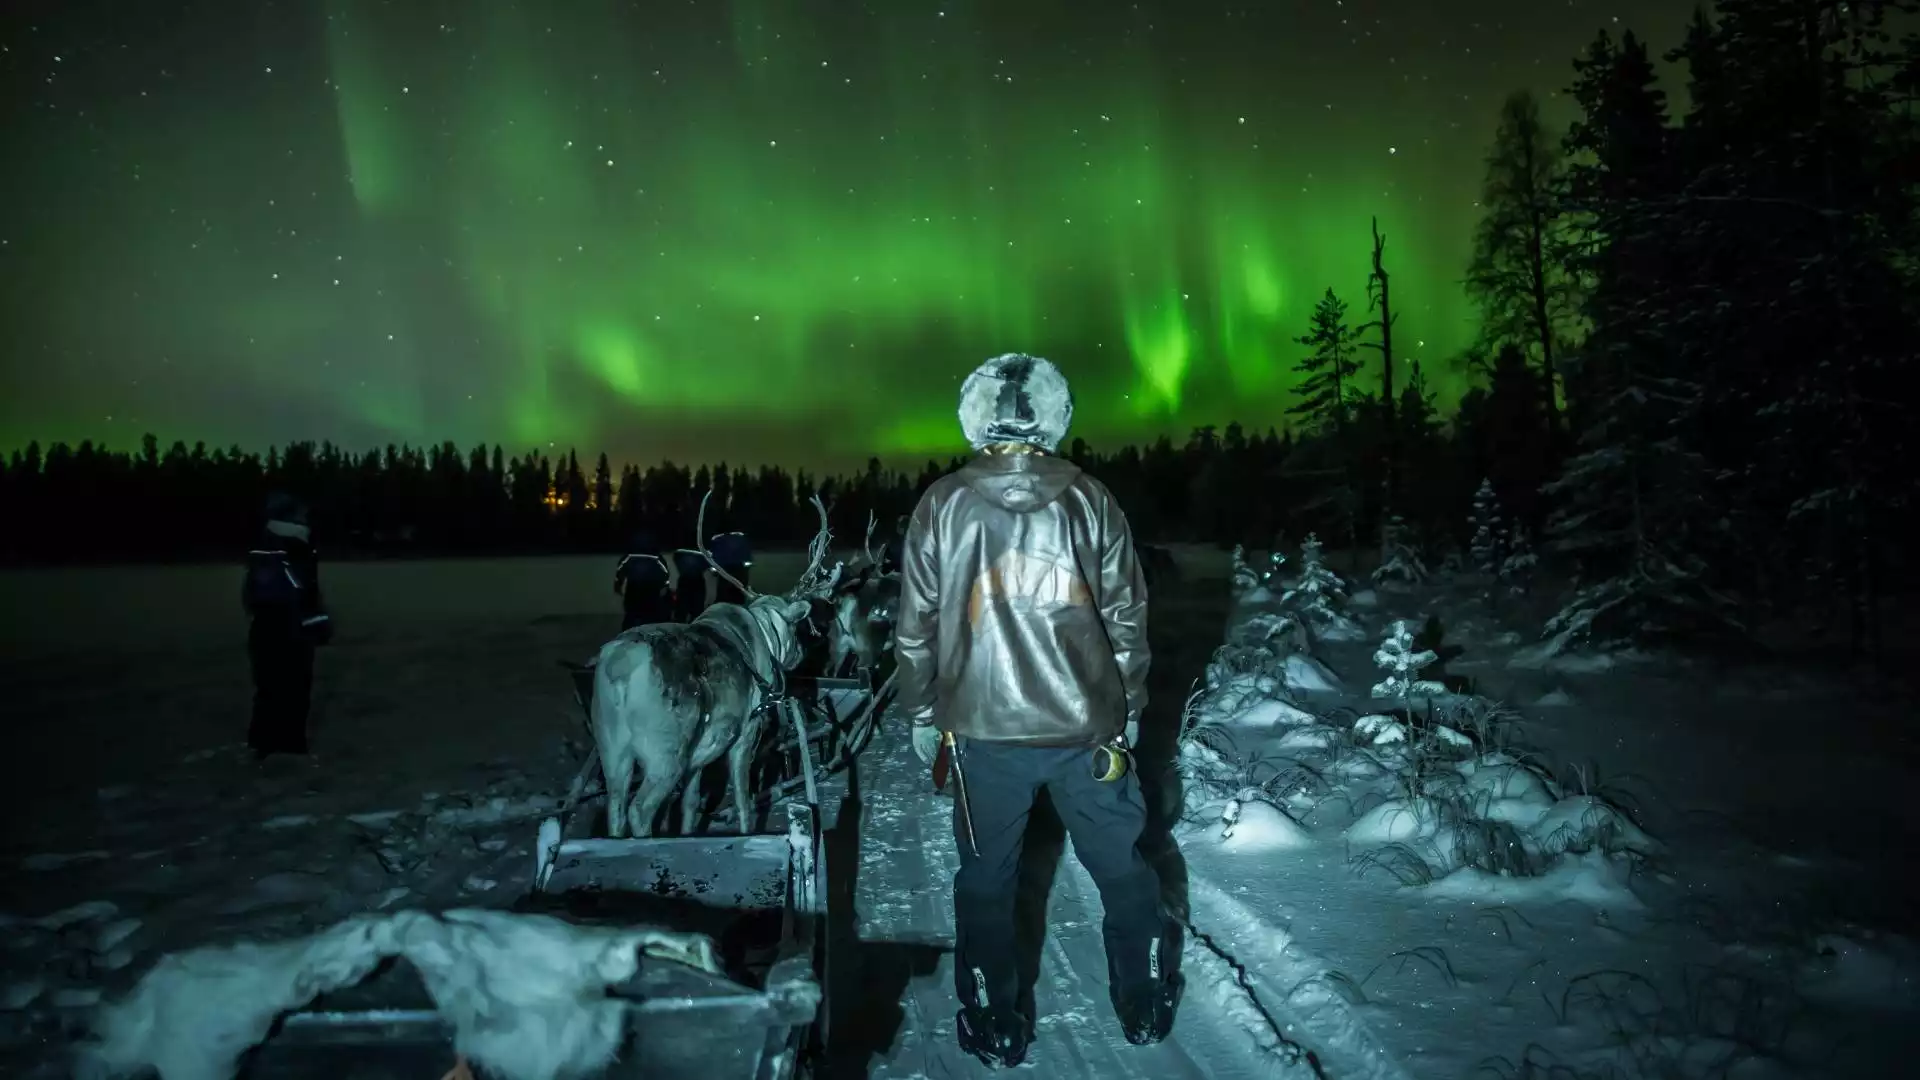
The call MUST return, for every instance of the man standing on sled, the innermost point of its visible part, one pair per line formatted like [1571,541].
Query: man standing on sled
[1022,639]
[287,620]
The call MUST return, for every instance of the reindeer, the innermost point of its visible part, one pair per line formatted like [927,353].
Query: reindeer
[670,698]
[863,612]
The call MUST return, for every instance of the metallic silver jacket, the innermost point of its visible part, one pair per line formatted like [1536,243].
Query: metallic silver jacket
[1023,615]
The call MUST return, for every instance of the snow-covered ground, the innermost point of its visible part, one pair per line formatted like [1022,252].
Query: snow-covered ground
[1583,869]
[1738,913]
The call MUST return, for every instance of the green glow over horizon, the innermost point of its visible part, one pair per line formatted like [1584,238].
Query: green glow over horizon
[785,227]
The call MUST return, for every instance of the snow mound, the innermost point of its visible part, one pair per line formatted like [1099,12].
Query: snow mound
[1313,738]
[1555,655]
[1583,823]
[1267,628]
[1275,713]
[1307,675]
[1591,879]
[1260,826]
[1365,598]
[1864,970]
[525,994]
[1396,821]
[1503,789]
[1339,628]
[1558,697]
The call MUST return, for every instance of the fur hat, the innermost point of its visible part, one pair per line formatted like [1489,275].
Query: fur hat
[1016,398]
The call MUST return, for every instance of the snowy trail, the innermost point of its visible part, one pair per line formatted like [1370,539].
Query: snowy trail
[904,895]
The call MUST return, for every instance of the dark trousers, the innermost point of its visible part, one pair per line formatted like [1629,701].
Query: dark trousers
[1104,820]
[282,692]
[644,609]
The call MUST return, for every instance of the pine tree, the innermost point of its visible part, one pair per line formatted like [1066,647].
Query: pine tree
[1487,531]
[1519,271]
[1798,147]
[1329,366]
[1516,570]
[1634,507]
[1399,561]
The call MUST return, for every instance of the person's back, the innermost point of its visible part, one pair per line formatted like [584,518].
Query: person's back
[644,585]
[1029,547]
[690,591]
[734,554]
[1021,640]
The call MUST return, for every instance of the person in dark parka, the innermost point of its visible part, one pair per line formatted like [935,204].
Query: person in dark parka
[734,554]
[641,579]
[287,620]
[690,592]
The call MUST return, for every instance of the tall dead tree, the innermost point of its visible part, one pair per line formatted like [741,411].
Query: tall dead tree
[1380,302]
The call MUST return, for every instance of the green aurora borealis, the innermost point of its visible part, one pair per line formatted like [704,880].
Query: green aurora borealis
[746,229]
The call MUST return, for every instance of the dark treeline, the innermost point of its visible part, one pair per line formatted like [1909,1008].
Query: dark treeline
[93,503]
[1693,382]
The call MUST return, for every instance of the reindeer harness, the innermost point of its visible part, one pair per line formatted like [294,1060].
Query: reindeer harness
[773,691]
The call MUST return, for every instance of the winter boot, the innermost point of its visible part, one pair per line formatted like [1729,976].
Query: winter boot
[1146,1009]
[999,1037]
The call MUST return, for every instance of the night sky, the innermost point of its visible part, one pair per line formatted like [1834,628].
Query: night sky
[741,229]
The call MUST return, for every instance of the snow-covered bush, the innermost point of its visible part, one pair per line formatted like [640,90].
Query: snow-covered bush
[1245,579]
[1399,562]
[1279,632]
[1402,664]
[1487,532]
[1426,788]
[1653,600]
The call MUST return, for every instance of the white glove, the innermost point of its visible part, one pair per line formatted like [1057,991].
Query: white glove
[926,742]
[1131,733]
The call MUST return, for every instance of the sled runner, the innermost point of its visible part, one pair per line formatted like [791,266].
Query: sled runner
[759,898]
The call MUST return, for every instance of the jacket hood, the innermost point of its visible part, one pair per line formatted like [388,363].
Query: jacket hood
[284,507]
[1019,482]
[1016,398]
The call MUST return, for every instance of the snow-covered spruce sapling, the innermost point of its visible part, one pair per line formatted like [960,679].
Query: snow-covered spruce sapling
[1487,533]
[1244,577]
[1319,593]
[1516,570]
[1398,559]
[1403,663]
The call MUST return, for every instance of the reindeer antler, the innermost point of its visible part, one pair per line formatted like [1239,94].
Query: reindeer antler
[866,545]
[700,545]
[816,580]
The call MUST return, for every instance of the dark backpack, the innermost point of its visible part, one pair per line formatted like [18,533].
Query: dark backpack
[270,583]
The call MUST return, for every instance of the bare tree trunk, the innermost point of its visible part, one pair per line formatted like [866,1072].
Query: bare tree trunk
[1383,302]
